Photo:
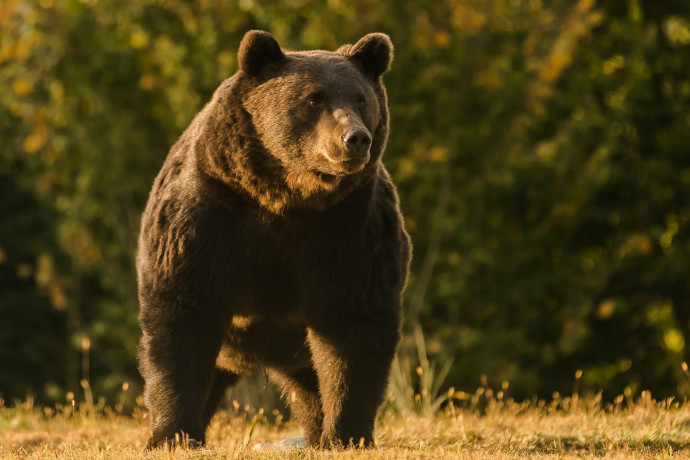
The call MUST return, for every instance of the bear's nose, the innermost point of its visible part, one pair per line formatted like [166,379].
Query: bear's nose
[357,141]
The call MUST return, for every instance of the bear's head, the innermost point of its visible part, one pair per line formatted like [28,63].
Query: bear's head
[320,117]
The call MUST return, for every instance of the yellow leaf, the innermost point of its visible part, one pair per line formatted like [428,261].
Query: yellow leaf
[45,270]
[57,297]
[36,140]
[21,87]
[438,155]
[147,81]
[138,39]
[584,5]
[442,39]
[606,309]
[615,63]
[674,340]
[488,79]
[554,65]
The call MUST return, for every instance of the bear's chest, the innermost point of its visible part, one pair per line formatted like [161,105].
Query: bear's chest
[280,267]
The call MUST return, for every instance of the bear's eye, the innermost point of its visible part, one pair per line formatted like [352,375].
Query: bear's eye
[361,101]
[315,101]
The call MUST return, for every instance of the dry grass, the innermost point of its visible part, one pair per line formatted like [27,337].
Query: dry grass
[562,428]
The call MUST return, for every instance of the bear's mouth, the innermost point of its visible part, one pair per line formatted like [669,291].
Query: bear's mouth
[353,165]
[325,177]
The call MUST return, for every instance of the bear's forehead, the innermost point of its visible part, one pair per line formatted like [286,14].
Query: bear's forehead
[321,69]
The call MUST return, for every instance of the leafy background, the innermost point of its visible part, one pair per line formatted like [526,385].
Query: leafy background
[541,150]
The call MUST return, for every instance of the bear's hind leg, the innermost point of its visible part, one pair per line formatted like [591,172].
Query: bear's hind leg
[301,390]
[221,381]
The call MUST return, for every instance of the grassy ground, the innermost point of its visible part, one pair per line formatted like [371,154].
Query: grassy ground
[562,428]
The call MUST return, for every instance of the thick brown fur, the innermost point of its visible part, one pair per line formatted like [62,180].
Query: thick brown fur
[273,239]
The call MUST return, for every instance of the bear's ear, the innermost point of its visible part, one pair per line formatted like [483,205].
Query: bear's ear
[373,51]
[257,49]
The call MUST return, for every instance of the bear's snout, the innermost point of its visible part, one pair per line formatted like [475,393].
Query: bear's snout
[351,153]
[357,142]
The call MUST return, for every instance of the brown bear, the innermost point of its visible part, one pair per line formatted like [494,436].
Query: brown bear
[273,239]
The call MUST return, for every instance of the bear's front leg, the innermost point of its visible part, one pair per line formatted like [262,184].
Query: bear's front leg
[178,355]
[353,362]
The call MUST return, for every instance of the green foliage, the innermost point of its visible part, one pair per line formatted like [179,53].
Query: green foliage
[540,150]
[565,230]
[32,339]
[423,397]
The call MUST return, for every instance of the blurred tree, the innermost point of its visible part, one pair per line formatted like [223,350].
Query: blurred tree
[32,300]
[563,244]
